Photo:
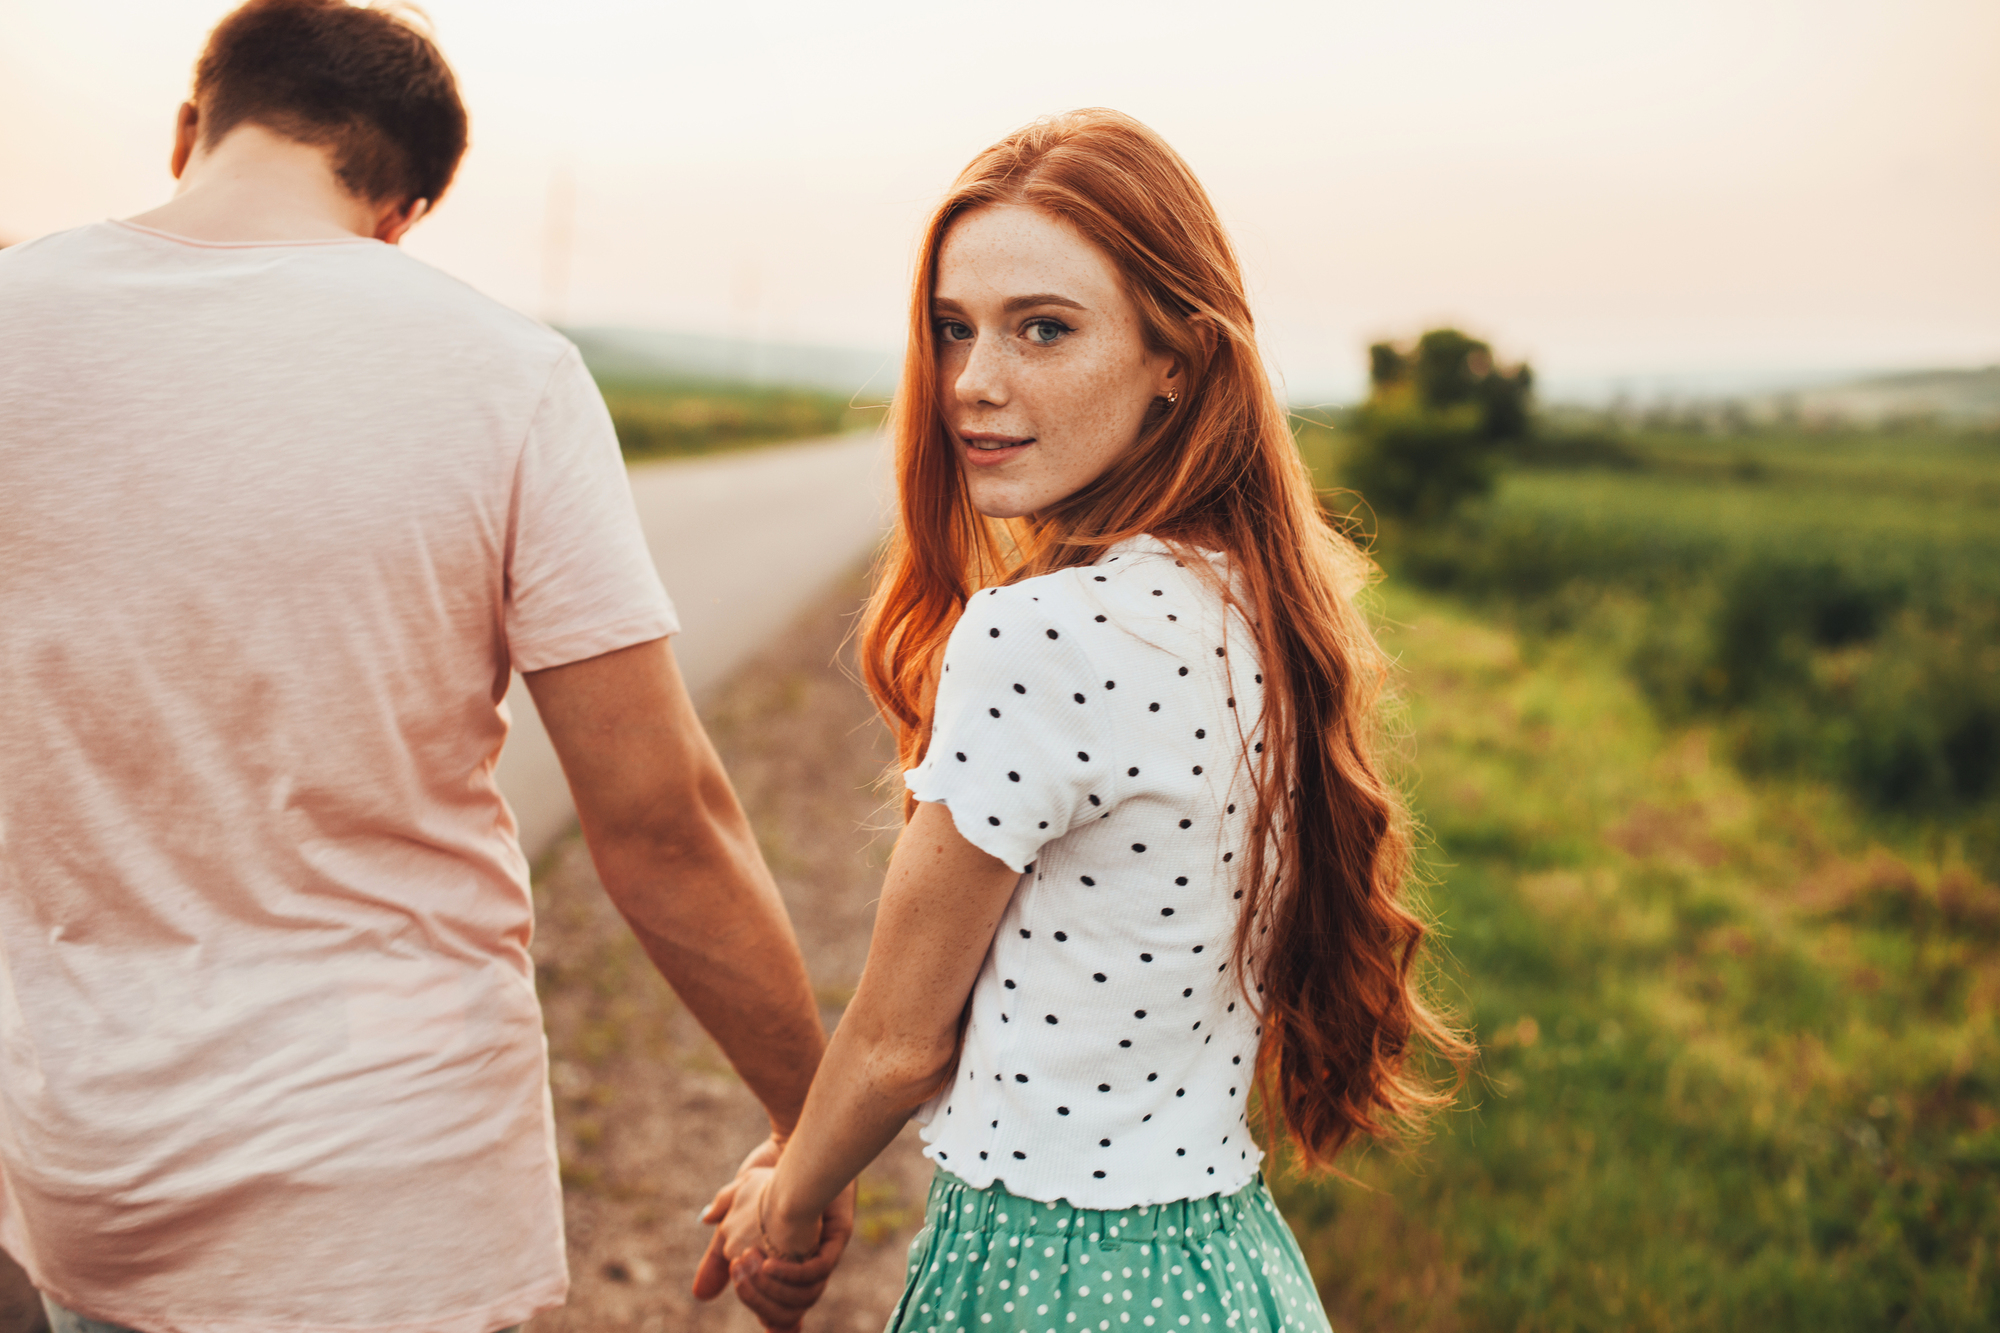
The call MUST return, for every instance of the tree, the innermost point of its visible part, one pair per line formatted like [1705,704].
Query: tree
[1440,414]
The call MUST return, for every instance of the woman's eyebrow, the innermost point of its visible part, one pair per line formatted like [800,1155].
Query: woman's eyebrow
[1042,298]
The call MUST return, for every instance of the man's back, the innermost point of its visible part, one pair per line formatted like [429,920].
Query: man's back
[279,518]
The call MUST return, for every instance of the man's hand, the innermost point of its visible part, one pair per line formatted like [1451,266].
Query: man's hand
[711,1275]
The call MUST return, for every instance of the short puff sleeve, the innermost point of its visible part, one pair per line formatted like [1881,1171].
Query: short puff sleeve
[1016,751]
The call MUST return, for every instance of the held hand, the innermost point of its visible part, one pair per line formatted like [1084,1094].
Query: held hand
[779,1292]
[711,1275]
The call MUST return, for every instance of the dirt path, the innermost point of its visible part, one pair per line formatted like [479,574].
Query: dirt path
[650,1118]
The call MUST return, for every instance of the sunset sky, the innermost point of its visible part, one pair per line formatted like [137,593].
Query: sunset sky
[1610,187]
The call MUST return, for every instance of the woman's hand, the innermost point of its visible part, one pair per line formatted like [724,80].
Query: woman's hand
[753,1223]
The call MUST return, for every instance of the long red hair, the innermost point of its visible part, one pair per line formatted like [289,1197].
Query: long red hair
[1325,931]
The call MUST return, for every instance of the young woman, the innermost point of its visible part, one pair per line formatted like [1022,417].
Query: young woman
[1150,861]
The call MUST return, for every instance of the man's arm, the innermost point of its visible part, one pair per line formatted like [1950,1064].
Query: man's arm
[677,856]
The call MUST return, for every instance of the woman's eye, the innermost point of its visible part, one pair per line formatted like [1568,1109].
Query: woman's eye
[951,331]
[1045,331]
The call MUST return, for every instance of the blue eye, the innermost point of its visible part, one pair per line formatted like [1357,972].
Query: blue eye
[1045,331]
[951,331]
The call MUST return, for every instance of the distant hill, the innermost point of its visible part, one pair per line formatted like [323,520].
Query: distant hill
[1952,395]
[650,354]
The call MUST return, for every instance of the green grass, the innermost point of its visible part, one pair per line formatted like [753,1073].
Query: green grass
[1740,1065]
[1731,950]
[672,418]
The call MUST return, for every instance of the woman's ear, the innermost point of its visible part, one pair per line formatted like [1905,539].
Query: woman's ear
[1204,329]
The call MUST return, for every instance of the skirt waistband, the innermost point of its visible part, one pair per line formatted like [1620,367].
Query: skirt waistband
[960,1208]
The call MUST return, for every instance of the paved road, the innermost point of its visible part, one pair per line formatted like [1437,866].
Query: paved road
[743,542]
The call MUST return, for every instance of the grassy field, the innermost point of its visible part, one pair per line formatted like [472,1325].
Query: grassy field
[1741,1062]
[671,418]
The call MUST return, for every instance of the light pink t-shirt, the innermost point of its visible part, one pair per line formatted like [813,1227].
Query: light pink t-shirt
[275,522]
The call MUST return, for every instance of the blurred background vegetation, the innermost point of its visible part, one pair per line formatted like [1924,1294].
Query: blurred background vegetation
[662,416]
[1704,716]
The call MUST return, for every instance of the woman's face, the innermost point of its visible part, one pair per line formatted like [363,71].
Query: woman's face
[1043,374]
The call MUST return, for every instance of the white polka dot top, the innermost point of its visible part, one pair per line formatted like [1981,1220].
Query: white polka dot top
[1090,731]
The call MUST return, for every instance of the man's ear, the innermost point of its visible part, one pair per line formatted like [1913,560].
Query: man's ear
[187,133]
[391,223]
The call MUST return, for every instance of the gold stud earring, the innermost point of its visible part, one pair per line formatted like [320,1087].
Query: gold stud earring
[1173,396]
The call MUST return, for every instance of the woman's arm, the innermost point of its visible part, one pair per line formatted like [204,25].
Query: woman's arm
[941,902]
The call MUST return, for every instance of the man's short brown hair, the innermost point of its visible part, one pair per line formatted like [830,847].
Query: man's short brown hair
[362,81]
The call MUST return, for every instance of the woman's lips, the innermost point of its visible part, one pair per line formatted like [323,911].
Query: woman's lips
[993,450]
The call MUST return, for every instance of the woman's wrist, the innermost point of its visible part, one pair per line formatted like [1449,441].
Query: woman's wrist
[790,1223]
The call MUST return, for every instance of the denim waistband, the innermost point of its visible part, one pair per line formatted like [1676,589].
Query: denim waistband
[959,1207]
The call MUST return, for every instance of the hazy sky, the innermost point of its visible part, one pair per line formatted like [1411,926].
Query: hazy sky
[1606,186]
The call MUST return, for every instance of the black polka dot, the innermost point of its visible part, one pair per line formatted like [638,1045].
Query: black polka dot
[1020,688]
[1088,880]
[1180,1152]
[1110,684]
[1043,824]
[1025,935]
[1183,671]
[1197,770]
[1009,983]
[1152,708]
[1232,810]
[1050,1019]
[1104,1087]
[1220,653]
[1064,1110]
[1229,856]
[1094,800]
[1104,1143]
[1260,678]
[1054,635]
[1201,733]
[1185,823]
[994,632]
[1232,701]
[1166,911]
[1126,1042]
[1145,958]
[1158,593]
[1138,846]
[1198,948]
[1098,577]
[1077,697]
[1020,1078]
[1098,975]
[993,820]
[1060,936]
[1020,1156]
[1131,772]
[1180,1092]
[1098,1174]
[994,711]
[1138,1013]
[1013,777]
[1100,620]
[1152,1078]
[961,756]
[1184,994]
[1081,755]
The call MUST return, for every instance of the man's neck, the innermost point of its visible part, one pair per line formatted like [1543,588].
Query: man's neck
[256,185]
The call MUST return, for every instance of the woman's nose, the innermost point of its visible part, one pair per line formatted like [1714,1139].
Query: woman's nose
[982,379]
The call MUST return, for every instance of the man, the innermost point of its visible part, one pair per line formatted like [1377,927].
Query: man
[279,509]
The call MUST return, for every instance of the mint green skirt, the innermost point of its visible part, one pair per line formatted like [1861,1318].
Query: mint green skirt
[990,1259]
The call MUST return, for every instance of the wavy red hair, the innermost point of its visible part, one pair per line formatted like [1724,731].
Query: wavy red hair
[1325,928]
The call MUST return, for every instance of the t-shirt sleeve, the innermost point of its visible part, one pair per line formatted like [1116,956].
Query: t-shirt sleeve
[579,579]
[1016,751]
